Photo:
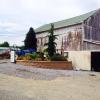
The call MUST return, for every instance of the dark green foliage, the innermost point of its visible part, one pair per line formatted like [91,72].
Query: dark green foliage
[37,56]
[41,55]
[58,57]
[5,44]
[33,55]
[30,40]
[51,43]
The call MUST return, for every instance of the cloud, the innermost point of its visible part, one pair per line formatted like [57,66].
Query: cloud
[16,16]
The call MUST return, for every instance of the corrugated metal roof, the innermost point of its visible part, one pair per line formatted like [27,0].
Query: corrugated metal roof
[67,22]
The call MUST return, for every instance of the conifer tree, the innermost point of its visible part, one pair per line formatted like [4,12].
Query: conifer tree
[30,40]
[51,43]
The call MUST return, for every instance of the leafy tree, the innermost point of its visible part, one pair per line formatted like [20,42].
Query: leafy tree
[51,43]
[30,40]
[5,44]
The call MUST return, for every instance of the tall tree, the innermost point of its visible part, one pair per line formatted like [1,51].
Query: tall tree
[30,40]
[5,44]
[51,43]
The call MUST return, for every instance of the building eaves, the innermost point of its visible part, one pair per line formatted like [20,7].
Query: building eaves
[66,22]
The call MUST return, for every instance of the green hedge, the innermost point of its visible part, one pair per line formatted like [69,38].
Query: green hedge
[58,57]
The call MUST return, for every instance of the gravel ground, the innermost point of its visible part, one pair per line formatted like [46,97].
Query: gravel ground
[18,82]
[37,73]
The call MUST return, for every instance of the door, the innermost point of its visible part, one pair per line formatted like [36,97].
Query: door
[95,61]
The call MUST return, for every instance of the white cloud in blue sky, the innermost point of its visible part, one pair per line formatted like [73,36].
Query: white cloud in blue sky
[16,16]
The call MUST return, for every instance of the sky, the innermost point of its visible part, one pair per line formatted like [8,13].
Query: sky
[17,16]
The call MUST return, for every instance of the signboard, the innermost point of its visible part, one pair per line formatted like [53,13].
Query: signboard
[12,57]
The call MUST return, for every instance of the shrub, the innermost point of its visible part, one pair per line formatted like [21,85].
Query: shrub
[33,55]
[26,57]
[58,57]
[41,55]
[20,58]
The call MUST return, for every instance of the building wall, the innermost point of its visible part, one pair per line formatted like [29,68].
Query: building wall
[42,38]
[91,46]
[81,60]
[70,38]
[92,32]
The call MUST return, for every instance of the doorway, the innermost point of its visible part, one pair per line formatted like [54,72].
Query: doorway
[95,61]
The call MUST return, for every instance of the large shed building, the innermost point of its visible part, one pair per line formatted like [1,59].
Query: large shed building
[80,33]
